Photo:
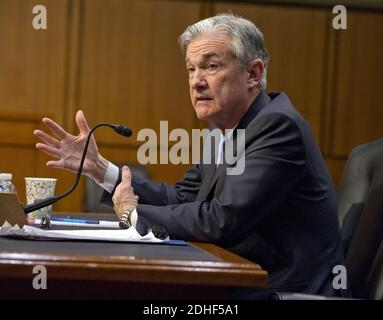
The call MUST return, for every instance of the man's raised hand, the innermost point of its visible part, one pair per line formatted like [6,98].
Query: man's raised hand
[68,149]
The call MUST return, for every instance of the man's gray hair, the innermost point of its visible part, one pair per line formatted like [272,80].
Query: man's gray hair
[247,40]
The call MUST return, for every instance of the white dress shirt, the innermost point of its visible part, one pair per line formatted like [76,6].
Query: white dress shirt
[224,138]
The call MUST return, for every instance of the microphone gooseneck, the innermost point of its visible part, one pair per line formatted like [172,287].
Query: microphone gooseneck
[121,130]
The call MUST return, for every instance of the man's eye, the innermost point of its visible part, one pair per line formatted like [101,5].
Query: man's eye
[190,69]
[212,66]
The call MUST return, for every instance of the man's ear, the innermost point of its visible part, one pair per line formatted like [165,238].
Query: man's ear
[255,70]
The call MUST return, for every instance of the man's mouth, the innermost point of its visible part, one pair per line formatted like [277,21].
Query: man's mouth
[203,98]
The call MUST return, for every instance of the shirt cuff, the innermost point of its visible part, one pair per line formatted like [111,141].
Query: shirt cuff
[110,178]
[133,218]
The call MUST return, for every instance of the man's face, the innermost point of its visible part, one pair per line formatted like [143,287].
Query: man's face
[218,84]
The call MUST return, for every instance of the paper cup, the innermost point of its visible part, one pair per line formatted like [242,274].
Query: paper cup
[38,189]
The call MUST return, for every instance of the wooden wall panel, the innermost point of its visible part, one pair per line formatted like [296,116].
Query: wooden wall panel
[33,84]
[32,64]
[17,155]
[358,111]
[119,58]
[296,39]
[131,69]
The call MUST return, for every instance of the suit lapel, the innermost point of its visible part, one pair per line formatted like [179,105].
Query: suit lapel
[209,173]
[212,171]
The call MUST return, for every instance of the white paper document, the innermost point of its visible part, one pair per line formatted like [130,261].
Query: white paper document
[29,232]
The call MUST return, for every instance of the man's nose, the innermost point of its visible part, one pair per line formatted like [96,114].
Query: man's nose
[198,80]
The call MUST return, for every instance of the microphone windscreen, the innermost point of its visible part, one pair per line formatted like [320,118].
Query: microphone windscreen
[122,130]
[126,132]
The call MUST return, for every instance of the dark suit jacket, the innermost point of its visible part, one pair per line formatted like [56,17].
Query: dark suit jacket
[280,213]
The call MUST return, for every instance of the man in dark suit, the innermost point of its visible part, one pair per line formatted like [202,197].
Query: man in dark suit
[280,211]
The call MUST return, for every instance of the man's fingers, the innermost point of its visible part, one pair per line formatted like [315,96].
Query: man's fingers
[126,175]
[55,164]
[55,128]
[82,124]
[53,152]
[46,138]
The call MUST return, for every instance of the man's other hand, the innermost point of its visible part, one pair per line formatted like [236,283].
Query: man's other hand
[124,197]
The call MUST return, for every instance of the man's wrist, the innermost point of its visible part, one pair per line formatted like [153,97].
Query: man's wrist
[100,169]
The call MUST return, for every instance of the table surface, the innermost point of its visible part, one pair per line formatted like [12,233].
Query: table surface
[193,263]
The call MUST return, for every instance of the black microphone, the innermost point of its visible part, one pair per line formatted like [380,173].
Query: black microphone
[121,130]
[124,131]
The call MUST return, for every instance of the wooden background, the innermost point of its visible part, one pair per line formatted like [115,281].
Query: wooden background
[119,62]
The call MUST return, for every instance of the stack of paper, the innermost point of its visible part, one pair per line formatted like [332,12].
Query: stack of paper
[29,232]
